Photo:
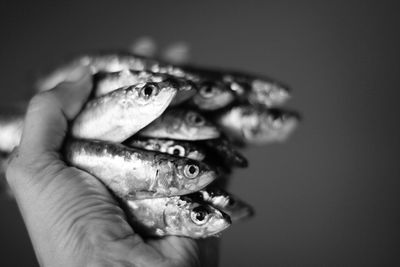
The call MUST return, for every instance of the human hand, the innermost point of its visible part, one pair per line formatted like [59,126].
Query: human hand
[71,217]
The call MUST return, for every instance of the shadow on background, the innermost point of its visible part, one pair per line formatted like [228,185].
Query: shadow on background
[329,196]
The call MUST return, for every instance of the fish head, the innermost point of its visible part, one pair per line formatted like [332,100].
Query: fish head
[154,94]
[197,127]
[212,95]
[193,175]
[198,220]
[268,93]
[270,125]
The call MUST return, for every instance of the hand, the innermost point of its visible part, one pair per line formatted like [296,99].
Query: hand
[71,217]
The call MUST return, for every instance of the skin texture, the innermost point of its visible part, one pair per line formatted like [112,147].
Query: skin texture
[71,217]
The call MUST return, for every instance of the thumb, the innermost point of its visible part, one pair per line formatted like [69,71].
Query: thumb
[48,113]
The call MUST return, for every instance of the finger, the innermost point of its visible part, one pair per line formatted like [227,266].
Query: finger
[69,72]
[48,114]
[177,53]
[144,46]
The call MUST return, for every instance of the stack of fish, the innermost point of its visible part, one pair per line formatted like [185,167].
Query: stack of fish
[163,138]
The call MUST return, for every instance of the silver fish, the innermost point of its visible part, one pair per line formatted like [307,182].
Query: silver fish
[108,82]
[248,88]
[236,209]
[181,124]
[172,147]
[257,125]
[136,174]
[210,96]
[179,216]
[120,114]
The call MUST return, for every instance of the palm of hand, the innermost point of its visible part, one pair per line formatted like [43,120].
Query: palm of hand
[89,219]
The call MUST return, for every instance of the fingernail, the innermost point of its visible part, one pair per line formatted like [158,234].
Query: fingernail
[77,74]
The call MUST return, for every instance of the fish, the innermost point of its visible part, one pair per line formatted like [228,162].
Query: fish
[237,209]
[211,95]
[248,88]
[169,146]
[257,125]
[133,173]
[179,216]
[119,114]
[106,82]
[181,124]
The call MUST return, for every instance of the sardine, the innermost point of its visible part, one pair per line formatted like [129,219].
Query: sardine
[257,125]
[236,209]
[136,174]
[108,82]
[248,88]
[120,114]
[181,124]
[179,216]
[172,147]
[211,94]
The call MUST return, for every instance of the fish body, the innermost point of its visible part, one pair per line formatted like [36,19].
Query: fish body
[236,209]
[257,125]
[121,113]
[134,173]
[181,124]
[248,88]
[179,216]
[172,147]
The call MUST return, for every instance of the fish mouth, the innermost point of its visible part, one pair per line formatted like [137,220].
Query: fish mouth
[206,178]
[241,214]
[209,132]
[222,223]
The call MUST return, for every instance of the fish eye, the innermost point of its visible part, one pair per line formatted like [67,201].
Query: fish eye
[191,171]
[195,119]
[200,215]
[207,90]
[148,91]
[176,151]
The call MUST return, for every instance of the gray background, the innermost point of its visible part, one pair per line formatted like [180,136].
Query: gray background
[329,196]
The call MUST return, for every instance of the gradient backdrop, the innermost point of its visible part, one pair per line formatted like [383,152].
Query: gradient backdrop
[329,196]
